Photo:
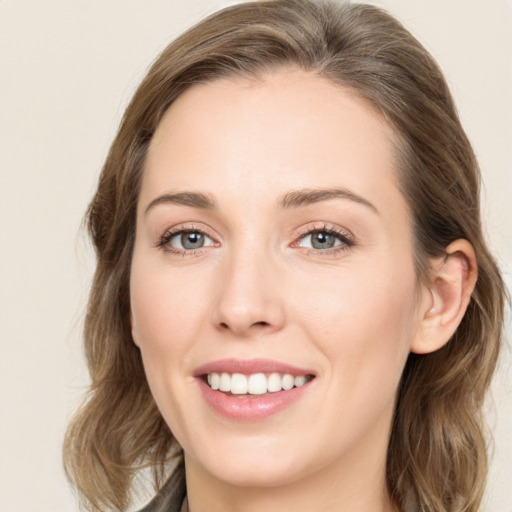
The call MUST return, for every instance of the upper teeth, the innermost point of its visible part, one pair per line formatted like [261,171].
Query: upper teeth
[254,384]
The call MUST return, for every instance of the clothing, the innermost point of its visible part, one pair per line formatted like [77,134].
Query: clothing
[172,496]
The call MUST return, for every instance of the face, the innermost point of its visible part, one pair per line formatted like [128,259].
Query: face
[273,260]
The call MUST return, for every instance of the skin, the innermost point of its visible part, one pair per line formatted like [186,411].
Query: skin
[258,289]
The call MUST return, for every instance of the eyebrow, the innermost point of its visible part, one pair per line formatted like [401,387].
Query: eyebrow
[298,198]
[193,199]
[293,199]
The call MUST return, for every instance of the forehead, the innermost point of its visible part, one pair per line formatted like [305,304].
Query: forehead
[286,130]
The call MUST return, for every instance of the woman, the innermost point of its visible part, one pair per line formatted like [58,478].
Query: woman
[293,307]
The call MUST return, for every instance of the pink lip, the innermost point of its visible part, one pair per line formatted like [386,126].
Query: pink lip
[248,366]
[256,407]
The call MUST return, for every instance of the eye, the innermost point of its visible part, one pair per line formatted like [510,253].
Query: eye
[320,240]
[186,240]
[324,240]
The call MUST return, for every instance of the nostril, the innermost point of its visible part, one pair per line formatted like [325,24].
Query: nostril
[225,326]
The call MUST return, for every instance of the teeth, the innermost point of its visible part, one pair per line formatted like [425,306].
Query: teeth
[225,382]
[257,384]
[254,384]
[300,381]
[288,382]
[275,382]
[238,384]
[214,380]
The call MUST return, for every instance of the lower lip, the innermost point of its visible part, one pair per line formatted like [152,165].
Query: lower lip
[250,408]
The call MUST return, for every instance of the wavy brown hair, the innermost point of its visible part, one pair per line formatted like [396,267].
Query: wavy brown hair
[437,450]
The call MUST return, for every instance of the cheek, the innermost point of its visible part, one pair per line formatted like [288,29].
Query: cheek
[164,309]
[167,316]
[363,322]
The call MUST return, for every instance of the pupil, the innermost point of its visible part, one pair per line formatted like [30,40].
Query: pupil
[192,240]
[323,241]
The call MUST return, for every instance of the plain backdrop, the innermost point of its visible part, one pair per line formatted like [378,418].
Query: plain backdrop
[67,70]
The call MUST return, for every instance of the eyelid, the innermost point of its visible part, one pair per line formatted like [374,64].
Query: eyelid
[347,238]
[315,227]
[344,235]
[163,240]
[173,238]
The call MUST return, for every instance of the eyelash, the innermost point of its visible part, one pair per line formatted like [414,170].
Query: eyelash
[347,241]
[165,239]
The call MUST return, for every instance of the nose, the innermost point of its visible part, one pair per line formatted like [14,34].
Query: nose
[249,300]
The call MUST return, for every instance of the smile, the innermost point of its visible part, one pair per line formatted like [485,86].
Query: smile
[255,383]
[252,390]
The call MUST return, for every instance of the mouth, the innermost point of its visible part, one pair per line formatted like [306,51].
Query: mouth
[251,390]
[254,384]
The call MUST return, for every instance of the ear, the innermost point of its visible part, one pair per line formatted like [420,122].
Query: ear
[446,298]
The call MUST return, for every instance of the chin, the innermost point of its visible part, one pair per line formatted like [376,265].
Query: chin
[257,475]
[255,466]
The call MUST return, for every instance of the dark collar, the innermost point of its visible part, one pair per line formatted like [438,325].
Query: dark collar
[171,495]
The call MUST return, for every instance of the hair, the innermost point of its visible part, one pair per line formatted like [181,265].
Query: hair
[437,449]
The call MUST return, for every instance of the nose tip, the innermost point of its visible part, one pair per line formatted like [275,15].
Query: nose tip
[249,300]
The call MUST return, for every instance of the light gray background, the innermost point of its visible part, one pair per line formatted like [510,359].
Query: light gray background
[67,70]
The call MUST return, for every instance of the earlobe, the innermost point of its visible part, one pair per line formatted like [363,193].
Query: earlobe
[452,283]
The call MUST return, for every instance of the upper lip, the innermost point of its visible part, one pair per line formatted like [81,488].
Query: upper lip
[250,366]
